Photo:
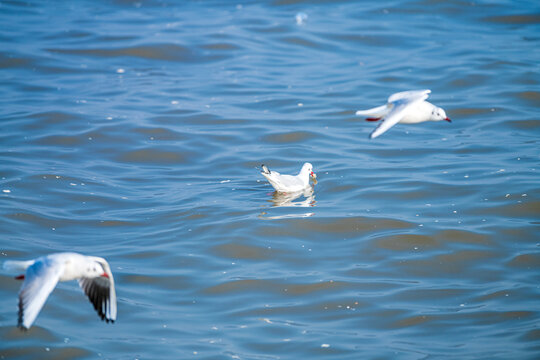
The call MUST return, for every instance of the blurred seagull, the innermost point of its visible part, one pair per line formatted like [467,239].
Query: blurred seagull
[301,18]
[289,183]
[407,107]
[42,275]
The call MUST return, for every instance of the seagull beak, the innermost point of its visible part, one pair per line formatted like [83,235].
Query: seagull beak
[105,275]
[312,174]
[448,119]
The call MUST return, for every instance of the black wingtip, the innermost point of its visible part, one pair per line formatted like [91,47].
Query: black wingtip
[20,316]
[22,328]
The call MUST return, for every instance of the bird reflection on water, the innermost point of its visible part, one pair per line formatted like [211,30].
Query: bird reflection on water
[287,199]
[280,199]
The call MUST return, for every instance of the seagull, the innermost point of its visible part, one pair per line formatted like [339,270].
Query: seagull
[407,107]
[289,183]
[42,275]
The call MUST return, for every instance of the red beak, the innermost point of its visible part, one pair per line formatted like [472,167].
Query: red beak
[448,119]
[105,275]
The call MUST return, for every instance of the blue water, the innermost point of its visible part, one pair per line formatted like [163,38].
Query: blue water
[134,130]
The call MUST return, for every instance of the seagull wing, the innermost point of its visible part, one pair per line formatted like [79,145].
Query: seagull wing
[40,280]
[289,181]
[383,110]
[284,182]
[413,95]
[399,103]
[393,117]
[101,293]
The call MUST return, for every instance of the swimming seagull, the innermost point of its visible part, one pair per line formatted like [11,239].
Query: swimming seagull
[407,107]
[42,275]
[289,183]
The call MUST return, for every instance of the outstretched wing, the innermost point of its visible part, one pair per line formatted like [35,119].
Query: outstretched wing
[398,102]
[40,280]
[101,292]
[391,119]
[413,95]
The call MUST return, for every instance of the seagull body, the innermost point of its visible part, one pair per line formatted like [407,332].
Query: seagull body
[289,183]
[407,107]
[42,274]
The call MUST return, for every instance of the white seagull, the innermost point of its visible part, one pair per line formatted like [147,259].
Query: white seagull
[289,183]
[407,107]
[42,275]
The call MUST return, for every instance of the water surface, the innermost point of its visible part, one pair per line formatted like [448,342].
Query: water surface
[134,130]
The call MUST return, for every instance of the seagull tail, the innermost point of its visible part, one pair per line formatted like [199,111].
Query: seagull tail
[376,112]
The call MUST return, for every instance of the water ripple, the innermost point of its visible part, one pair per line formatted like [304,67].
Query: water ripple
[135,130]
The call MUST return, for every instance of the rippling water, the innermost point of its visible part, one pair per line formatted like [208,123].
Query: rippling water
[133,130]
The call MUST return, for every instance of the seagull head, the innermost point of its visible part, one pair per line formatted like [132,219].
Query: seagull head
[438,114]
[94,269]
[309,169]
